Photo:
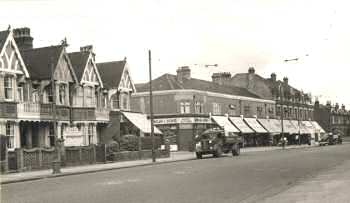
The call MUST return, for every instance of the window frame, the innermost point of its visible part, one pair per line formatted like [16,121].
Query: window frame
[8,88]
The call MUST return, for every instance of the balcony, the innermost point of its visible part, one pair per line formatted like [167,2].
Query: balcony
[8,110]
[83,114]
[28,110]
[102,114]
[62,112]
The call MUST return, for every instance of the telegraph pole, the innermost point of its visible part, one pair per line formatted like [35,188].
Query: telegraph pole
[56,163]
[151,105]
[282,112]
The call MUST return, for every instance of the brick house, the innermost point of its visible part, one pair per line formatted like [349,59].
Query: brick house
[334,118]
[183,105]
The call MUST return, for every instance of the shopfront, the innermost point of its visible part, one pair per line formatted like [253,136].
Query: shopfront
[181,131]
[261,137]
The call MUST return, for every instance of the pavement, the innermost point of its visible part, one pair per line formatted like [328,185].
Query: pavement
[174,157]
[313,172]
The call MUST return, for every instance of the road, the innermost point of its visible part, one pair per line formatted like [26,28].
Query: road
[250,177]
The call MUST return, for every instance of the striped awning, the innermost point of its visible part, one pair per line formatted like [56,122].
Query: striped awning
[224,123]
[271,125]
[318,127]
[241,125]
[255,125]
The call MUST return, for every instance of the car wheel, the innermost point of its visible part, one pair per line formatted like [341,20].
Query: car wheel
[236,150]
[218,151]
[199,155]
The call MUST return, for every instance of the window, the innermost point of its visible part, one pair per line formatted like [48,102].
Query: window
[125,101]
[62,94]
[259,111]
[35,96]
[247,110]
[89,96]
[216,109]
[185,107]
[80,96]
[115,101]
[198,107]
[20,94]
[278,111]
[105,101]
[90,133]
[51,135]
[11,135]
[8,86]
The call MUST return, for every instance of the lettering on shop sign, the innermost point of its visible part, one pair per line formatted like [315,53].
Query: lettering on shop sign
[164,121]
[72,131]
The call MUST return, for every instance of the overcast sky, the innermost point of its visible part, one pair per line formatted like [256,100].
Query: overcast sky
[235,34]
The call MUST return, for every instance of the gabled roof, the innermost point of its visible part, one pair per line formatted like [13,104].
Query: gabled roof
[39,61]
[170,82]
[111,73]
[3,36]
[79,61]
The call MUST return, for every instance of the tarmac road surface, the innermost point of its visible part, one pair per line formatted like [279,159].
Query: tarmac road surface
[251,177]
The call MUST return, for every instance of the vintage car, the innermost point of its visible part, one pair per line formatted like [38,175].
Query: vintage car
[331,139]
[216,141]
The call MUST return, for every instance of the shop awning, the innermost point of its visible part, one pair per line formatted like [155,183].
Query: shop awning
[223,122]
[241,125]
[288,127]
[318,127]
[271,125]
[308,125]
[141,122]
[303,129]
[255,125]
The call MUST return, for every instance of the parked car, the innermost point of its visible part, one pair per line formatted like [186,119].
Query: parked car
[216,141]
[331,139]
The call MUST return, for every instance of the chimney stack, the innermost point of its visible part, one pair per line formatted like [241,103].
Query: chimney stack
[183,72]
[285,80]
[273,77]
[23,38]
[222,78]
[251,70]
[88,48]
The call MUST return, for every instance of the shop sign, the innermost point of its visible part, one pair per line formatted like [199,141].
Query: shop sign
[72,131]
[180,120]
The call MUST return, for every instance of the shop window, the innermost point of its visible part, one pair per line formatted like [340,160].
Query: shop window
[216,109]
[8,87]
[185,107]
[10,134]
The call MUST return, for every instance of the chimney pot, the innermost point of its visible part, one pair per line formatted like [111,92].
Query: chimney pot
[251,70]
[183,72]
[23,38]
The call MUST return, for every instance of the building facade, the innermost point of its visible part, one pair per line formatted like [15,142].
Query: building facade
[183,105]
[333,118]
[291,103]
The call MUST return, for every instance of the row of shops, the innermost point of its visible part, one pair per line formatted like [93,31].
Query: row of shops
[255,132]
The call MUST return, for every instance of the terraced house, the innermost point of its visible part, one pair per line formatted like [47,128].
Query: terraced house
[44,85]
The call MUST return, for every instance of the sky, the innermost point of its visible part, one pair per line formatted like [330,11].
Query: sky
[235,34]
